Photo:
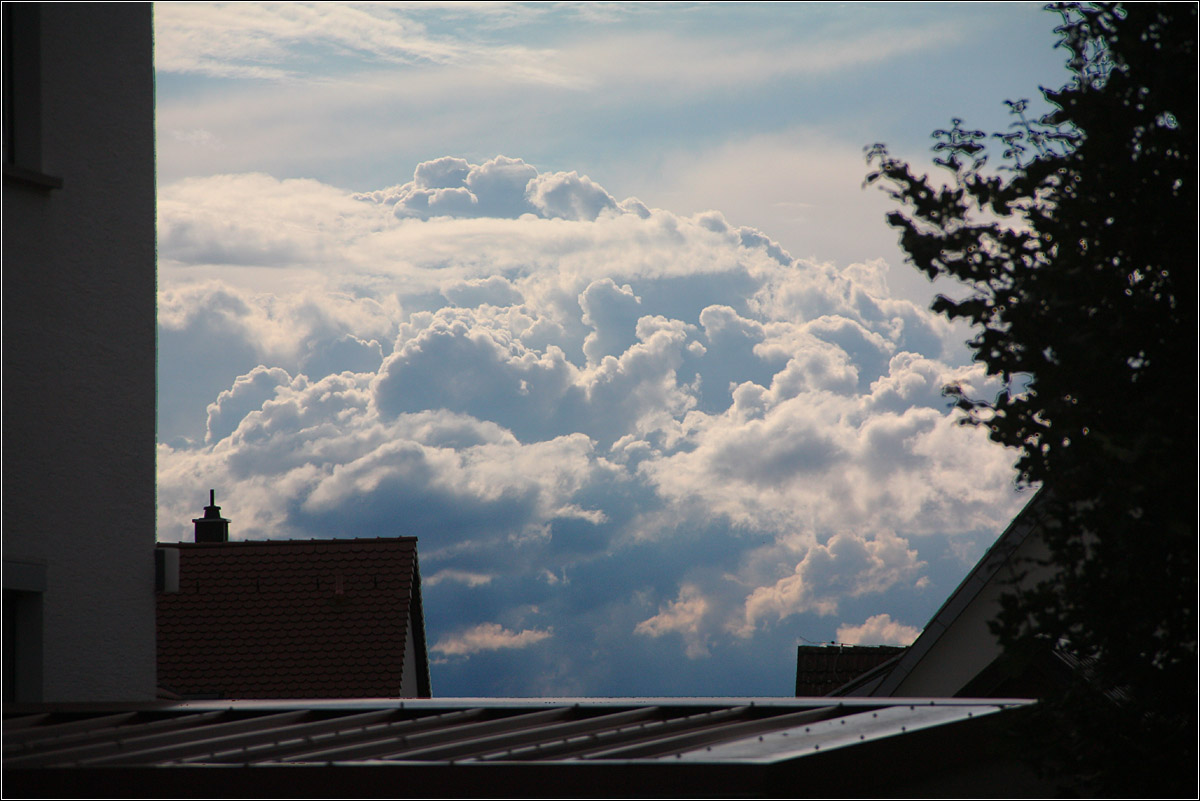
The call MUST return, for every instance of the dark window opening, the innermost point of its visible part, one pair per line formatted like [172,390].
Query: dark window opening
[23,97]
[22,646]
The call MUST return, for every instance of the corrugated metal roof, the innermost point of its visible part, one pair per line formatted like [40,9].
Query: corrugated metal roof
[291,619]
[467,730]
[511,747]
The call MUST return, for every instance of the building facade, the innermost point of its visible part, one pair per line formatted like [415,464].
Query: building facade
[79,352]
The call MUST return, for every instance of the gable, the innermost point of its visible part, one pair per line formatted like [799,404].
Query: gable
[293,619]
[957,645]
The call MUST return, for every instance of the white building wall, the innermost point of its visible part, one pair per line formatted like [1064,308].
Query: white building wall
[408,671]
[79,360]
[967,646]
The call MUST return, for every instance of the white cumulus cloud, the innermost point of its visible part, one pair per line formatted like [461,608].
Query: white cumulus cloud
[487,637]
[878,630]
[683,615]
[460,576]
[585,409]
[846,567]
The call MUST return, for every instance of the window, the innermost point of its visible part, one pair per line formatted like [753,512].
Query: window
[23,97]
[24,583]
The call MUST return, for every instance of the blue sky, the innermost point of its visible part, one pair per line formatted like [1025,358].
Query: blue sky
[590,299]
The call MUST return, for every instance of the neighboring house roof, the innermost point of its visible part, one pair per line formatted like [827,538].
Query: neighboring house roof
[957,652]
[522,748]
[337,618]
[821,669]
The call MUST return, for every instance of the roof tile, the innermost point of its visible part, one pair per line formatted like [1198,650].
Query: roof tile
[822,669]
[264,619]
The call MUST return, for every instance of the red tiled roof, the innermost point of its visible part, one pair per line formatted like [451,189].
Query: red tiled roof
[821,669]
[291,619]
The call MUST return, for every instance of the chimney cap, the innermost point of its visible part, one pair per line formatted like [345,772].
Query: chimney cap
[212,527]
[212,511]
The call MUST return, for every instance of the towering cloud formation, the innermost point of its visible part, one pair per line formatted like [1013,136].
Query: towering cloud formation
[644,453]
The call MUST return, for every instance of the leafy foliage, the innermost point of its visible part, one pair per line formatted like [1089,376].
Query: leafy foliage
[1079,254]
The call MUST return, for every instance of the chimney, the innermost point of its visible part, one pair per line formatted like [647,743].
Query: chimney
[212,527]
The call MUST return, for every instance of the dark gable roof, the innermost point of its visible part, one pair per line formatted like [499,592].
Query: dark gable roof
[292,619]
[821,669]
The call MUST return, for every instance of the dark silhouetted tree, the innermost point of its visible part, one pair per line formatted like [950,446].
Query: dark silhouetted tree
[1079,254]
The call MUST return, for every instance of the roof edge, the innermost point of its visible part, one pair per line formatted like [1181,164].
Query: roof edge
[1001,552]
[285,542]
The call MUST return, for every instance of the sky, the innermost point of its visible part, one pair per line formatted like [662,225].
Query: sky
[589,298]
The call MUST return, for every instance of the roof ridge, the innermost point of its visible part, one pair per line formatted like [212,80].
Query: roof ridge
[283,542]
